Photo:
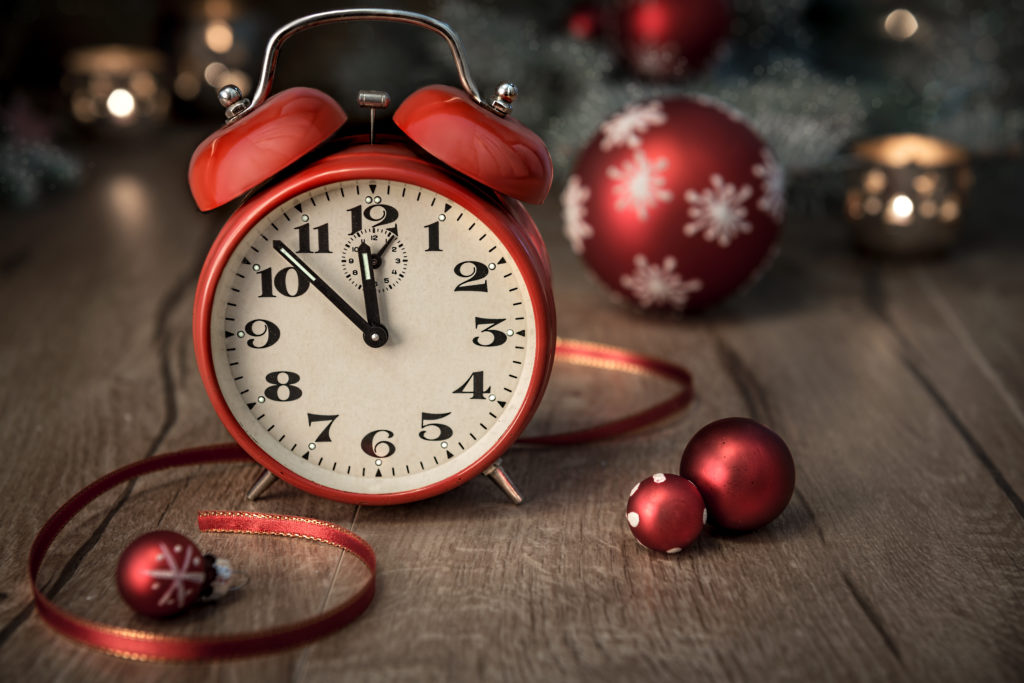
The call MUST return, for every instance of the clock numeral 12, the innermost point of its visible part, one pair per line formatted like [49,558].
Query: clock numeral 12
[385,216]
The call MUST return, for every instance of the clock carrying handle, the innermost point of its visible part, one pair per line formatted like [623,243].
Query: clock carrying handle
[342,15]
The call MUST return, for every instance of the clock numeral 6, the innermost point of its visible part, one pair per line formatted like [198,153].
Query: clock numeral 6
[497,336]
[282,282]
[478,390]
[443,431]
[472,271]
[371,446]
[286,389]
[325,435]
[262,328]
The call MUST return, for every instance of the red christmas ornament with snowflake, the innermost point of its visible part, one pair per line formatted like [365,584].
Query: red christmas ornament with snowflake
[666,39]
[162,572]
[675,203]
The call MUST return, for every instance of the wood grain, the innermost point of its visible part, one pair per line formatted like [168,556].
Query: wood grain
[898,386]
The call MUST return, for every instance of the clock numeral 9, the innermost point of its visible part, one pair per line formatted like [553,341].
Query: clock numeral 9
[269,330]
[381,214]
[472,271]
[497,336]
[478,390]
[370,446]
[286,389]
[443,431]
[269,282]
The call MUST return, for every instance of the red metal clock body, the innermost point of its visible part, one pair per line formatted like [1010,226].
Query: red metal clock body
[375,324]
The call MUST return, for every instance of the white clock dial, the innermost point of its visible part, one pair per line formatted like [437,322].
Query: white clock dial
[304,384]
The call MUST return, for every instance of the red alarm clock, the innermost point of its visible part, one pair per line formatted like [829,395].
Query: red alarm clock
[374,323]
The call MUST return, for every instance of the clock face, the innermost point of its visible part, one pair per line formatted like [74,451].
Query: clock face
[437,387]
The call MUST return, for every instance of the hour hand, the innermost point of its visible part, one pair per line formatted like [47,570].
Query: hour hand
[369,284]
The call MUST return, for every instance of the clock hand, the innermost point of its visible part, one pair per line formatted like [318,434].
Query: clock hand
[369,285]
[376,260]
[373,334]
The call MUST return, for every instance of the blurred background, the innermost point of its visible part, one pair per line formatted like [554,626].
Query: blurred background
[811,76]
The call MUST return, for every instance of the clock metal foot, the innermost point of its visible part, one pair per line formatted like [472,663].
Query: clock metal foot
[261,485]
[499,477]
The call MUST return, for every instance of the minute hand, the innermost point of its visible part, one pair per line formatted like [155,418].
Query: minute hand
[322,286]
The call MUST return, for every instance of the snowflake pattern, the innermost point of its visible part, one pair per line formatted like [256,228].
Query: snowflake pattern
[653,284]
[182,583]
[574,213]
[639,184]
[773,185]
[718,211]
[625,128]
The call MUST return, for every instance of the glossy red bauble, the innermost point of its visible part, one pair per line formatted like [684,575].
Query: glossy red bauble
[669,38]
[744,472]
[584,21]
[675,203]
[665,513]
[162,572]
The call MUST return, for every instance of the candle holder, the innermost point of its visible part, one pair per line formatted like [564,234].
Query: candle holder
[906,193]
[117,86]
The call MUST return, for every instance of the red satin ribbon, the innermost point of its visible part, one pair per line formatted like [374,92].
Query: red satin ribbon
[148,645]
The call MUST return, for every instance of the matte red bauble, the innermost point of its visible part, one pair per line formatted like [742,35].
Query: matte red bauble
[675,203]
[162,572]
[665,513]
[668,38]
[744,472]
[584,22]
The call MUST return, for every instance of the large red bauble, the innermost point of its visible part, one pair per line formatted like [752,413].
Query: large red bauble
[743,470]
[665,513]
[161,573]
[668,38]
[675,203]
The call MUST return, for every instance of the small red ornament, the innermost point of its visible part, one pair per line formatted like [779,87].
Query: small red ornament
[668,38]
[665,513]
[744,472]
[162,572]
[584,22]
[675,203]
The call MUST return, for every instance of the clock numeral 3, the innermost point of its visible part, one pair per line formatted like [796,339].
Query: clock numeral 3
[381,214]
[284,390]
[269,330]
[323,247]
[443,431]
[497,336]
[370,445]
[325,435]
[281,282]
[472,271]
[477,391]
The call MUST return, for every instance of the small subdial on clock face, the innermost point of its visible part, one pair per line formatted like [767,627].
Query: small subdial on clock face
[388,258]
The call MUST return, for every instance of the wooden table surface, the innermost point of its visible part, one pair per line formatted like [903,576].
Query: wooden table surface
[898,386]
